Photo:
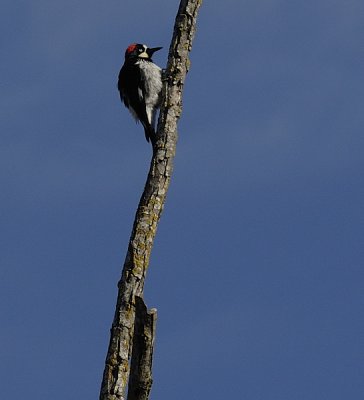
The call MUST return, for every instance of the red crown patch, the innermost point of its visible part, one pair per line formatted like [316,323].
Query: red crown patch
[131,48]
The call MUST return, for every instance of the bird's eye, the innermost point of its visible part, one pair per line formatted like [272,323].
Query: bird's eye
[141,50]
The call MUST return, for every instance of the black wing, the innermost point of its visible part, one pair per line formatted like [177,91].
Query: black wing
[132,93]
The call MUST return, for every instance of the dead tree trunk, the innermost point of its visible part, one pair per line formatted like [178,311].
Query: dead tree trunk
[131,284]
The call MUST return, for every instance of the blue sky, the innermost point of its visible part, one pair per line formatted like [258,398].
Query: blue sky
[257,268]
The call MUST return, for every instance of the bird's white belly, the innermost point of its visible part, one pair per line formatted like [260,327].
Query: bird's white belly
[151,74]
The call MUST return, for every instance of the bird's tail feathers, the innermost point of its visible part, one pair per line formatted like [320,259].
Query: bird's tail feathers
[149,133]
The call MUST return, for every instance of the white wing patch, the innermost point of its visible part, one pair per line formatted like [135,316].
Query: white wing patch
[140,94]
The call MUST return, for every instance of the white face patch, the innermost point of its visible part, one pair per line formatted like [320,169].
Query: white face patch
[144,53]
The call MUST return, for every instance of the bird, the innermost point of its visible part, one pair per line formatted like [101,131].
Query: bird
[140,86]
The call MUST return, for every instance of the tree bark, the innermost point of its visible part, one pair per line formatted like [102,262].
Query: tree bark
[140,380]
[131,284]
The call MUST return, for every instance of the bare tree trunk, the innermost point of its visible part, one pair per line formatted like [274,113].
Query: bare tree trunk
[140,380]
[131,284]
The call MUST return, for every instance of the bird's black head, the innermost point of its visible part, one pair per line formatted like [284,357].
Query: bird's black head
[137,50]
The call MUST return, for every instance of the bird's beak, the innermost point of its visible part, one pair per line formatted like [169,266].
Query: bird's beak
[153,50]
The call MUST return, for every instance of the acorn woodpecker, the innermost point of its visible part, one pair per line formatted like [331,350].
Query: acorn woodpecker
[140,86]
